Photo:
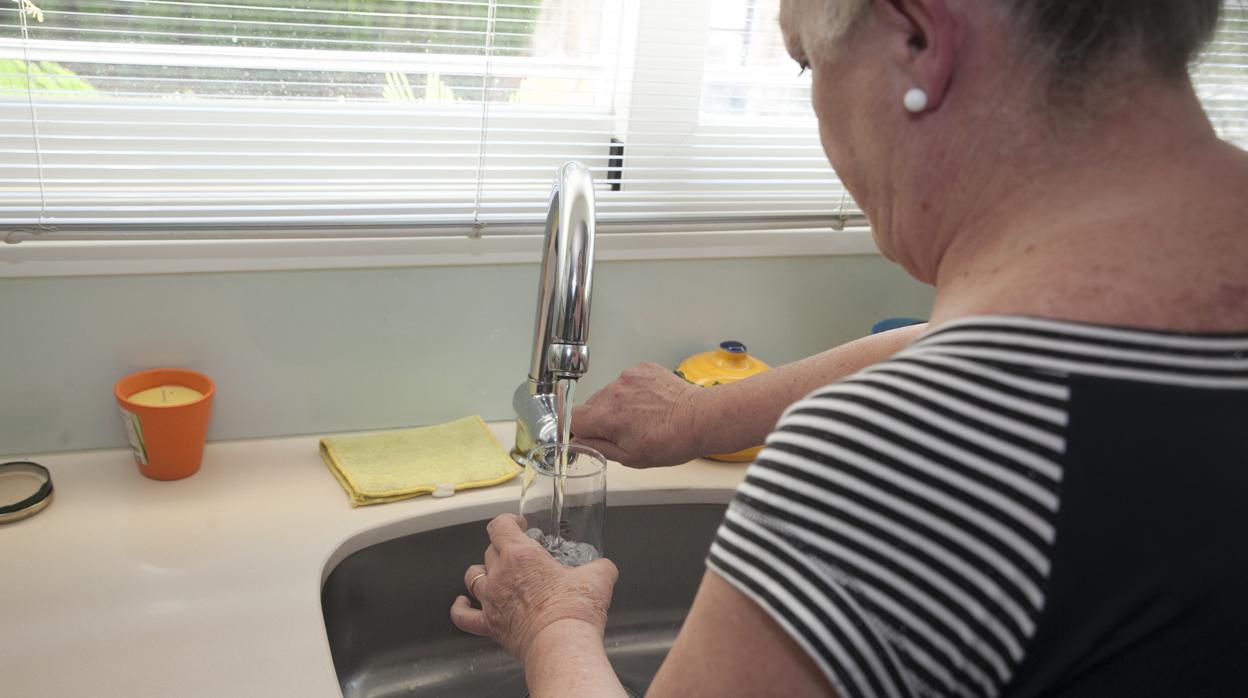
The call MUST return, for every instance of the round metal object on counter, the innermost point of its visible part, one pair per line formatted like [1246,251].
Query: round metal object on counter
[25,490]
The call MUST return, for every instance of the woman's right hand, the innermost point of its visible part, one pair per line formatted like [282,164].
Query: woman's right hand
[527,595]
[645,418]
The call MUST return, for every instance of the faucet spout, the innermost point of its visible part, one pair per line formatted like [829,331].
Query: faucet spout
[561,334]
[561,337]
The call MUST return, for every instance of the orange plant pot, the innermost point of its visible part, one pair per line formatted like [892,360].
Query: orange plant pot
[168,440]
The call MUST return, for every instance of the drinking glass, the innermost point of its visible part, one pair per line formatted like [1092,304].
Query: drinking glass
[574,496]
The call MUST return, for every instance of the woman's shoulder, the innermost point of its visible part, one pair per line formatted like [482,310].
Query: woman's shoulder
[1051,349]
[1000,387]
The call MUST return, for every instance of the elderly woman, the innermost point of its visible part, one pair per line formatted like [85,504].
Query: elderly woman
[1045,492]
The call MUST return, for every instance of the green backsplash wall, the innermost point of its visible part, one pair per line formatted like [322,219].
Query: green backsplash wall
[309,352]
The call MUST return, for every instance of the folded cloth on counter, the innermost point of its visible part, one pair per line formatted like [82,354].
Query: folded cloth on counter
[393,465]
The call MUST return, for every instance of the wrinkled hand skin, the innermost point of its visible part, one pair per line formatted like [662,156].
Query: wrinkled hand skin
[525,590]
[645,418]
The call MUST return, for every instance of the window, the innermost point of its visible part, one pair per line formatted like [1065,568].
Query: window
[720,130]
[276,118]
[1221,76]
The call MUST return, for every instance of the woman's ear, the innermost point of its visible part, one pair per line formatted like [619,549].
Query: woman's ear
[926,38]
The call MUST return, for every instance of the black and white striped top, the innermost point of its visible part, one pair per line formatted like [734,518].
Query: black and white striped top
[1011,506]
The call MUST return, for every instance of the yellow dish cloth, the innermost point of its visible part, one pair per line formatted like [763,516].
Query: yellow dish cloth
[440,459]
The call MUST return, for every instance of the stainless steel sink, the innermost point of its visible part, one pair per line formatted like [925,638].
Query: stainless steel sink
[386,606]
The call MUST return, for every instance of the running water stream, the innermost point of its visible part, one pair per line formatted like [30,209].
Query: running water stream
[563,418]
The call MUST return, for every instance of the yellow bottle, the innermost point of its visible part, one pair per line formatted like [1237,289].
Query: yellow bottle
[727,364]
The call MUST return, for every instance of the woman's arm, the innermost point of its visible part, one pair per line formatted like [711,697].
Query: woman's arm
[568,659]
[729,646]
[652,417]
[553,618]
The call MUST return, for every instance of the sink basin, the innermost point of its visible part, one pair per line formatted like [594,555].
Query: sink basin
[387,606]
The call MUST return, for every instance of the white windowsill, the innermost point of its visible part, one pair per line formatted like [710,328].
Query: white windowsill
[50,259]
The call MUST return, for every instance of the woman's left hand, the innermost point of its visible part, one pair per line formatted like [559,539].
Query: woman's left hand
[525,591]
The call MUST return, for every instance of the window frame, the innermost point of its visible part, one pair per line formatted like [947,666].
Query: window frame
[35,259]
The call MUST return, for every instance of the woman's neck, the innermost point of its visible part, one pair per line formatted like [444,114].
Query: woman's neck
[1138,222]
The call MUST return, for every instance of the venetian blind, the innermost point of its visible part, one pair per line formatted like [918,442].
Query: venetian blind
[277,118]
[1221,75]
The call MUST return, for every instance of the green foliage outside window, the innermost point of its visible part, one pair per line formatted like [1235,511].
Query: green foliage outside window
[456,28]
[44,76]
[395,25]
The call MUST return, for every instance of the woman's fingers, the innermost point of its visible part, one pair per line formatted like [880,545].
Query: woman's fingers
[490,557]
[595,418]
[606,569]
[507,529]
[475,580]
[469,619]
[606,448]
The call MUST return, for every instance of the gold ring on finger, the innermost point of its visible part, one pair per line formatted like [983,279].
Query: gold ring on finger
[473,584]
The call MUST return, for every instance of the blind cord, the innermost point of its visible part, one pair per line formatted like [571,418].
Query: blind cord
[843,216]
[26,7]
[478,227]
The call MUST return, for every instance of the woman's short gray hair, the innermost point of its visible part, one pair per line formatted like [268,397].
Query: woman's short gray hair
[828,20]
[1081,39]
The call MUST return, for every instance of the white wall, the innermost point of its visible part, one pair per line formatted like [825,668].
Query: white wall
[309,352]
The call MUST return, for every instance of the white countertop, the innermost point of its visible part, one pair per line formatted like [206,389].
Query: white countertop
[210,586]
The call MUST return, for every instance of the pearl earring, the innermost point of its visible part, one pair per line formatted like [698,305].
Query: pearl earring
[916,101]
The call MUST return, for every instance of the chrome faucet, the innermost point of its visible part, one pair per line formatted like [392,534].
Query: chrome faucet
[561,337]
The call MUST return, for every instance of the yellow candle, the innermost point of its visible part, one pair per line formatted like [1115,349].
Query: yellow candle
[165,396]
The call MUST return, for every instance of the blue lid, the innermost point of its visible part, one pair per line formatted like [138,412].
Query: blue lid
[893,323]
[733,347]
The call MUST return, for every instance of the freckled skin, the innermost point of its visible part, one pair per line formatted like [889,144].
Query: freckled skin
[1234,294]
